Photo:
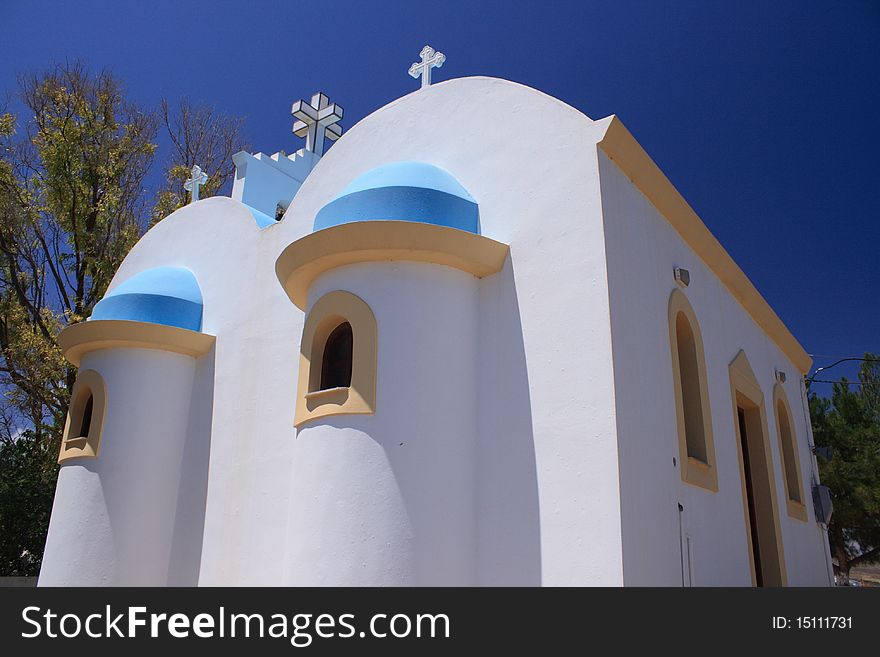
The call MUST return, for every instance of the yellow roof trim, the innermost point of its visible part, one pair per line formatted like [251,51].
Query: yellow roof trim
[622,148]
[77,340]
[371,241]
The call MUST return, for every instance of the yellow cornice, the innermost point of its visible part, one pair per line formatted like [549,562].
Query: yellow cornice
[622,148]
[79,339]
[370,241]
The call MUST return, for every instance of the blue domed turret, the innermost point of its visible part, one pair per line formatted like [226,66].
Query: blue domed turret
[164,295]
[403,191]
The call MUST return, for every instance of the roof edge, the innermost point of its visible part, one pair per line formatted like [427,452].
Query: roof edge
[304,260]
[623,149]
[76,340]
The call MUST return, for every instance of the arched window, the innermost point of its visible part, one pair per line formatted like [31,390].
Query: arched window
[694,424]
[336,362]
[338,358]
[85,419]
[791,470]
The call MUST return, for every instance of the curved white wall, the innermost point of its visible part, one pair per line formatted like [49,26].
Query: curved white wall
[547,417]
[390,499]
[114,516]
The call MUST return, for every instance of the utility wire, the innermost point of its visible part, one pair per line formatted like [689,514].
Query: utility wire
[812,378]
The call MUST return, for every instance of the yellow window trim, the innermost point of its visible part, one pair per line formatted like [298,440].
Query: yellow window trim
[795,508]
[745,389]
[372,241]
[326,314]
[693,471]
[76,446]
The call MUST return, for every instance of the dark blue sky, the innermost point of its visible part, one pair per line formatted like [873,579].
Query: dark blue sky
[763,114]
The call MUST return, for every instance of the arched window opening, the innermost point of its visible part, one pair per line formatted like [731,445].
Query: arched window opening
[86,424]
[85,419]
[689,376]
[693,412]
[337,374]
[789,460]
[337,359]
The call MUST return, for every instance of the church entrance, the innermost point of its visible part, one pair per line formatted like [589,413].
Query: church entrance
[757,484]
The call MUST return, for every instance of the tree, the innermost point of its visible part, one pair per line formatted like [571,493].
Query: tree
[199,136]
[27,487]
[72,204]
[849,423]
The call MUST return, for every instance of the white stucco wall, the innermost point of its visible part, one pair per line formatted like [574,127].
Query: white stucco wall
[548,494]
[547,410]
[389,499]
[113,519]
[642,251]
[244,387]
[525,466]
[547,498]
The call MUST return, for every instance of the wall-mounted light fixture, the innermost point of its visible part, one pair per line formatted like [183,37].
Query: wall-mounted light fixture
[682,276]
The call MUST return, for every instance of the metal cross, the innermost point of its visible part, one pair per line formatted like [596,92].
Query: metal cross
[197,178]
[316,121]
[430,59]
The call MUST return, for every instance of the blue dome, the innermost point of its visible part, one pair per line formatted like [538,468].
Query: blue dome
[403,191]
[164,295]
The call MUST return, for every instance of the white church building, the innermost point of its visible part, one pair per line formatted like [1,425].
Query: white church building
[470,352]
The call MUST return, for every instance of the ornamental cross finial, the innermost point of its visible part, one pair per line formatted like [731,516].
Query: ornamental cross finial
[430,59]
[317,121]
[197,178]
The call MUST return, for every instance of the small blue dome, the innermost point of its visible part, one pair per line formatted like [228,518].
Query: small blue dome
[164,295]
[403,191]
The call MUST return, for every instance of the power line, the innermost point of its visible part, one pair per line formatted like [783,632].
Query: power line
[838,362]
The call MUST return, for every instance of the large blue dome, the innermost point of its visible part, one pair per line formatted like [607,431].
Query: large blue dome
[403,191]
[164,295]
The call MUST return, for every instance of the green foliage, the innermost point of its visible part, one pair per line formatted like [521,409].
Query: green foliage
[27,486]
[70,197]
[849,422]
